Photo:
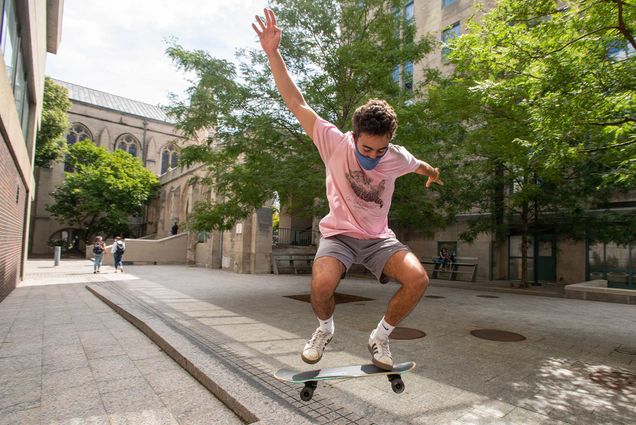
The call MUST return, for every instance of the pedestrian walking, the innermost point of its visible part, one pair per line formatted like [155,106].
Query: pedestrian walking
[98,253]
[117,249]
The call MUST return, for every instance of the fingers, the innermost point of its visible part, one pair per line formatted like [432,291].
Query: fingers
[270,21]
[271,18]
[260,23]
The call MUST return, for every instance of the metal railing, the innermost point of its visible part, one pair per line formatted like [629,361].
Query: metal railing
[283,236]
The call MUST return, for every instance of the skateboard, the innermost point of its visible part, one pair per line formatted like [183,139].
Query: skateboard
[310,378]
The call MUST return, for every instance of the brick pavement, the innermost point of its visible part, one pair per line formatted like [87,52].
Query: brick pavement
[67,358]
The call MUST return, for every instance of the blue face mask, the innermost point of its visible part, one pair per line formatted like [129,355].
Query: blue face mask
[366,162]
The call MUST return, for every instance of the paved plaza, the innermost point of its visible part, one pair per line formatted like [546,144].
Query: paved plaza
[69,356]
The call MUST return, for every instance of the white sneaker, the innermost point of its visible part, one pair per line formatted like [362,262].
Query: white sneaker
[380,352]
[312,353]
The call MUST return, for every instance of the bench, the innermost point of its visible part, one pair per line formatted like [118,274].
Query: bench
[292,263]
[461,266]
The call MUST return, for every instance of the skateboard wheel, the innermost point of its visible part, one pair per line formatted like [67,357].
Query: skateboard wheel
[397,385]
[306,393]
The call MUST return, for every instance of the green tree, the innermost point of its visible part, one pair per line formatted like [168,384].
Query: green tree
[341,53]
[50,144]
[542,103]
[105,189]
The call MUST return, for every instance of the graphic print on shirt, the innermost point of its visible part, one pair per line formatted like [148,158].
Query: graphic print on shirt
[363,187]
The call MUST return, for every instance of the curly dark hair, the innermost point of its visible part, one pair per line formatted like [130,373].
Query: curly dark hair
[375,117]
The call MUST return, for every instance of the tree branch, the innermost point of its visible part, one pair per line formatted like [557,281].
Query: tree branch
[621,24]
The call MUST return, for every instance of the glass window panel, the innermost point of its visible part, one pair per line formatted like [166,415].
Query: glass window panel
[165,161]
[447,35]
[174,161]
[408,75]
[616,256]
[596,256]
[515,246]
[10,39]
[395,74]
[515,269]
[409,10]
[2,26]
[545,248]
[447,2]
[633,259]
[20,81]
[132,149]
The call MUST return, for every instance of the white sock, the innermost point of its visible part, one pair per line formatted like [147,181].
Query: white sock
[383,330]
[327,325]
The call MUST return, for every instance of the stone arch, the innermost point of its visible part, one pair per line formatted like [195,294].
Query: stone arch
[128,143]
[168,157]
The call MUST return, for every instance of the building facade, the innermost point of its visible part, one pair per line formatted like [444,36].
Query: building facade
[112,122]
[29,29]
[144,131]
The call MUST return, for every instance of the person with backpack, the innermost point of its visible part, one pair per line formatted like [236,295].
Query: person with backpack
[98,253]
[117,249]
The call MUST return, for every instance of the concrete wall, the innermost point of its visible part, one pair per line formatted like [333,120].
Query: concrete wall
[170,250]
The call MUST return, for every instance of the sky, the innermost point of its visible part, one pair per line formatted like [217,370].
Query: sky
[118,46]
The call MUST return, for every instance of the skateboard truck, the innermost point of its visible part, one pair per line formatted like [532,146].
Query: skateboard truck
[307,393]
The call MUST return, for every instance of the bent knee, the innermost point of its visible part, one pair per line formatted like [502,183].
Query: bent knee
[418,282]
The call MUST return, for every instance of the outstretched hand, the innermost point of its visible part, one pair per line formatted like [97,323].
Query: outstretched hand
[268,33]
[434,179]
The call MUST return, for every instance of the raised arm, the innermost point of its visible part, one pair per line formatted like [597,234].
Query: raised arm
[269,35]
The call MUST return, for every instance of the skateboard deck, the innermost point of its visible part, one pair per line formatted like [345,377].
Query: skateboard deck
[310,378]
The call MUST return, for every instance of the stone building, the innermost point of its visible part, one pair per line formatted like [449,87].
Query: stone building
[29,29]
[113,122]
[144,131]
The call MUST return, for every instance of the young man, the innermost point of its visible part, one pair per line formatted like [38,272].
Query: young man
[361,169]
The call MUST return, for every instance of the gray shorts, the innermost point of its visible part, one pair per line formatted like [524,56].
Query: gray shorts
[371,253]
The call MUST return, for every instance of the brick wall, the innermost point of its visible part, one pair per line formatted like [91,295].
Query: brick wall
[12,215]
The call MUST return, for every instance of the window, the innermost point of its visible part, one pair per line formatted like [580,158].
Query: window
[395,74]
[515,258]
[613,262]
[14,62]
[76,133]
[448,34]
[10,41]
[128,143]
[407,77]
[447,2]
[409,10]
[169,158]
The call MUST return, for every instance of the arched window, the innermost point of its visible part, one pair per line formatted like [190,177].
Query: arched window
[76,133]
[128,143]
[169,158]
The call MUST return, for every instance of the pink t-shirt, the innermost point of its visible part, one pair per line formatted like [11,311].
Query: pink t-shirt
[359,199]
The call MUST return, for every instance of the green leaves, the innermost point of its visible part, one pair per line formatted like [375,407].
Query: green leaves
[552,109]
[339,53]
[50,144]
[104,191]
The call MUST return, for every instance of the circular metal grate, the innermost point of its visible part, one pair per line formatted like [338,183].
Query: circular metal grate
[497,335]
[614,379]
[487,296]
[406,333]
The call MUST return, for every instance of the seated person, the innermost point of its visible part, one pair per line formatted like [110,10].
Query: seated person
[445,258]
